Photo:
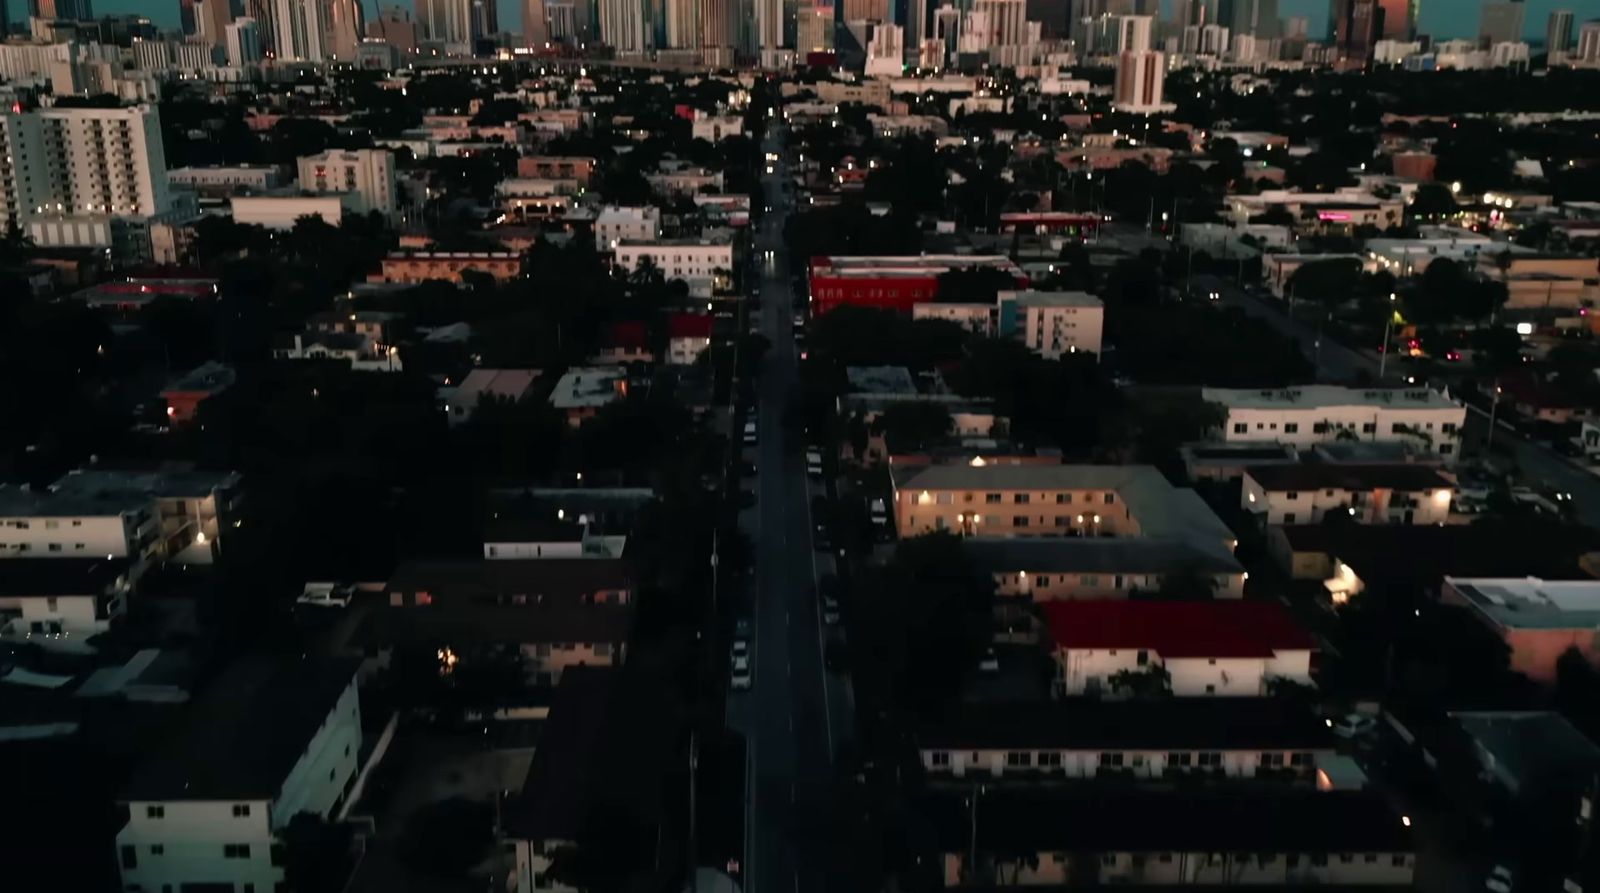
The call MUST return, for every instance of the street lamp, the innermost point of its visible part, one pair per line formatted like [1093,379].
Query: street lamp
[1383,351]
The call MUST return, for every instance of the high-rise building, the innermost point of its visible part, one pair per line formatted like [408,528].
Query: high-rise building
[485,18]
[396,27]
[211,20]
[1588,44]
[1296,27]
[83,162]
[683,24]
[563,23]
[266,25]
[535,24]
[813,28]
[1255,17]
[70,10]
[1399,19]
[345,23]
[1055,15]
[1214,40]
[1500,21]
[1140,78]
[1007,21]
[886,51]
[244,42]
[868,11]
[1353,27]
[446,21]
[1133,33]
[1558,36]
[718,24]
[186,21]
[769,24]
[622,26]
[300,30]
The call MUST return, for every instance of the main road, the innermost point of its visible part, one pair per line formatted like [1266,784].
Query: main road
[788,716]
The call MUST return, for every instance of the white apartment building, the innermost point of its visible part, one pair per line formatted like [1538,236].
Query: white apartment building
[1308,415]
[367,175]
[616,223]
[976,318]
[1397,493]
[1222,648]
[193,509]
[35,524]
[698,262]
[715,129]
[61,601]
[226,177]
[70,163]
[272,738]
[281,211]
[1053,323]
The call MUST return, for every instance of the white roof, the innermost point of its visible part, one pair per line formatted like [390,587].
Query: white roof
[587,386]
[1324,395]
[1053,298]
[1532,603]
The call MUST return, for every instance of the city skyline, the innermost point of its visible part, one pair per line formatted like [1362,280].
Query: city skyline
[1440,18]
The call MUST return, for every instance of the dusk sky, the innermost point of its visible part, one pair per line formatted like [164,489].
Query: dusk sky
[1442,18]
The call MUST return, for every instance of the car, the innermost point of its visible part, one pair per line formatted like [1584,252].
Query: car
[1215,296]
[741,627]
[814,463]
[990,662]
[1499,880]
[740,649]
[749,433]
[878,510]
[1352,725]
[326,595]
[830,610]
[799,320]
[742,680]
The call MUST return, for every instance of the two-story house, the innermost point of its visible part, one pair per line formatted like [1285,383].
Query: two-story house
[271,739]
[1391,493]
[1204,648]
[1428,421]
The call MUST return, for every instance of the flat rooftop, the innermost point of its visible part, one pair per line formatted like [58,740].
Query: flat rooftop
[1097,555]
[1094,724]
[1324,395]
[17,502]
[911,265]
[1053,298]
[241,738]
[1532,603]
[1324,476]
[174,484]
[880,379]
[588,386]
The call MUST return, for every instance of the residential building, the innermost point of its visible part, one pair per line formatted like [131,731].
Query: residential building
[684,181]
[1054,323]
[57,600]
[993,500]
[1501,21]
[192,509]
[556,167]
[558,613]
[814,27]
[1311,414]
[1539,620]
[980,319]
[1558,37]
[615,224]
[1080,738]
[1139,81]
[76,167]
[226,179]
[269,740]
[688,337]
[1043,569]
[892,283]
[184,394]
[1219,648]
[367,175]
[1305,493]
[1251,838]
[502,385]
[448,266]
[581,392]
[242,38]
[715,128]
[705,265]
[358,352]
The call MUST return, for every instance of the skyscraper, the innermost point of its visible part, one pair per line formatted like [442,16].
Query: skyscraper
[1055,15]
[1258,17]
[345,23]
[485,19]
[1500,21]
[1558,36]
[683,24]
[535,24]
[447,21]
[244,42]
[1140,78]
[211,20]
[266,25]
[73,10]
[814,28]
[1399,19]
[84,162]
[769,24]
[717,23]
[300,29]
[622,25]
[1588,43]
[1354,27]
[867,11]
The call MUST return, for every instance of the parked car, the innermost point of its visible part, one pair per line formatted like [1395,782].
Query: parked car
[749,433]
[1353,725]
[326,595]
[740,648]
[830,610]
[742,678]
[1499,880]
[878,510]
[814,463]
[990,662]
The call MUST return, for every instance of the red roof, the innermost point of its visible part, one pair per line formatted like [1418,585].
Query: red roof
[629,333]
[1177,629]
[689,325]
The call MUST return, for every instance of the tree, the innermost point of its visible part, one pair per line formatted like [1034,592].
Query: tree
[912,426]
[447,838]
[1275,215]
[316,854]
[1151,682]
[1327,282]
[1433,201]
[972,285]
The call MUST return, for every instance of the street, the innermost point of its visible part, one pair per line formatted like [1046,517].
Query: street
[789,716]
[1334,361]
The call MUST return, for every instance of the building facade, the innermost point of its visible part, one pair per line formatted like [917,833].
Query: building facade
[1306,416]
[367,175]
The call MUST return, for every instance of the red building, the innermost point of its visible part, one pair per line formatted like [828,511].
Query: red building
[892,283]
[1084,226]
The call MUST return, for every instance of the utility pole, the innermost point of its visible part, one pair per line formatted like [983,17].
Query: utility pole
[1383,349]
[1494,404]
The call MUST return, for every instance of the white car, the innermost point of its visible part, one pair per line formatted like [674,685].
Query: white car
[990,663]
[814,463]
[740,649]
[1352,725]
[830,610]
[326,595]
[741,678]
[749,433]
[1499,880]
